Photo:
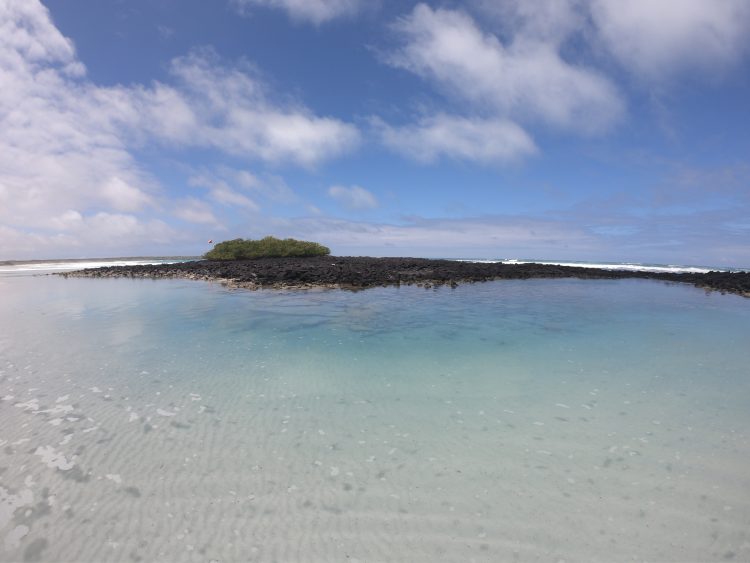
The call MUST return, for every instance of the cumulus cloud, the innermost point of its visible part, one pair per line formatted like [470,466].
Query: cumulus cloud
[194,210]
[654,40]
[547,20]
[124,197]
[240,187]
[353,197]
[521,78]
[525,79]
[226,108]
[311,11]
[58,151]
[36,39]
[482,140]
[92,235]
[657,38]
[222,193]
[67,145]
[516,68]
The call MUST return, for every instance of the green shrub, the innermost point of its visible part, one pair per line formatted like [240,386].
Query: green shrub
[244,249]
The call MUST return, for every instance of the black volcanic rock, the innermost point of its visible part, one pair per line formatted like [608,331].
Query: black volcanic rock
[363,272]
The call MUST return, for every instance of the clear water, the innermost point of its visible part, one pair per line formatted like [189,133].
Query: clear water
[517,420]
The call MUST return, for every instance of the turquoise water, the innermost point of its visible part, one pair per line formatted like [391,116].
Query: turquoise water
[517,420]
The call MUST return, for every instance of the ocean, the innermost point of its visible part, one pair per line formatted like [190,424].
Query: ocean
[536,420]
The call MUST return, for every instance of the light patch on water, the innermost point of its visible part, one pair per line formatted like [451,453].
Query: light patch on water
[14,537]
[31,404]
[162,412]
[114,477]
[58,409]
[53,459]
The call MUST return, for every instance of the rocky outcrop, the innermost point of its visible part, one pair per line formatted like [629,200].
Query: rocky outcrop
[363,272]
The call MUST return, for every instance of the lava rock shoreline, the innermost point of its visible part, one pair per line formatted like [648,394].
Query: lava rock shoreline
[350,272]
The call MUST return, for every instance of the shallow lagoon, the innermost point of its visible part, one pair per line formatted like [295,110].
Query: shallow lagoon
[530,420]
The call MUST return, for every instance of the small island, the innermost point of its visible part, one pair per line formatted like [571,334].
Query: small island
[267,247]
[271,263]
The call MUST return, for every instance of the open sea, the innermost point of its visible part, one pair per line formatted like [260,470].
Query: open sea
[539,420]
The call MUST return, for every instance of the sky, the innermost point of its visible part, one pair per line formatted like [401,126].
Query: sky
[597,130]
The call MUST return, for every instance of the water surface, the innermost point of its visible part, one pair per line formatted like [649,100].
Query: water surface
[531,420]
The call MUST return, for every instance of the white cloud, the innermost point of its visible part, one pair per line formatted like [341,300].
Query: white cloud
[229,186]
[496,236]
[482,140]
[93,235]
[654,39]
[103,228]
[519,75]
[527,79]
[194,210]
[221,192]
[353,197]
[547,20]
[312,11]
[58,151]
[36,40]
[124,197]
[229,109]
[66,144]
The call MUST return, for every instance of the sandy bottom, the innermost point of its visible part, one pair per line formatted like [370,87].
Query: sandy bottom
[538,421]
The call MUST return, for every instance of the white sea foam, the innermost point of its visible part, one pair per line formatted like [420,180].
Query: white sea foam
[620,266]
[48,266]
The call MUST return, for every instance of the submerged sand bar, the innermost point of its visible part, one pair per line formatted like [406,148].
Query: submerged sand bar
[363,272]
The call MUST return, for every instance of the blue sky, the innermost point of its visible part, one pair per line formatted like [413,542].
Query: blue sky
[548,129]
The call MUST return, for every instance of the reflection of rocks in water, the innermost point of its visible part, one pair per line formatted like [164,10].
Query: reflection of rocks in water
[179,425]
